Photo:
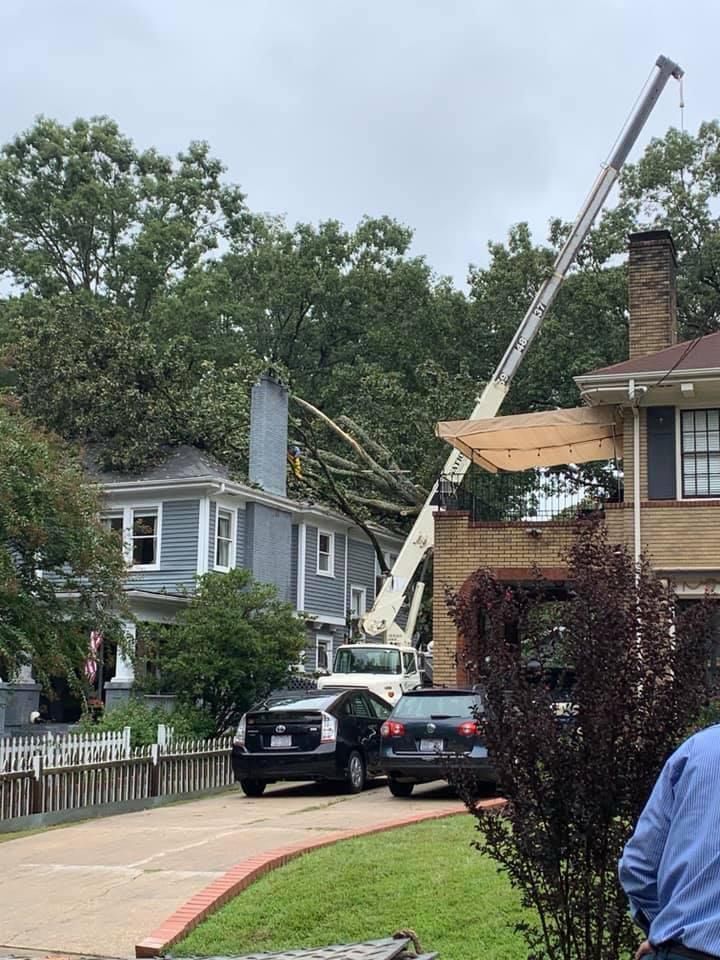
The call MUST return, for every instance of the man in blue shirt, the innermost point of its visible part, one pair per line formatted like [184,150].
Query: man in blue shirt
[670,868]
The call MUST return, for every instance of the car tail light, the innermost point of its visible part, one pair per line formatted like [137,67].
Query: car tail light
[391,728]
[239,738]
[328,730]
[468,729]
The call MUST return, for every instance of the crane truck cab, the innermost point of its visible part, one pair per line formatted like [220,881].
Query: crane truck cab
[386,669]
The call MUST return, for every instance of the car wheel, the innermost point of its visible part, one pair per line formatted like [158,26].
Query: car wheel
[355,772]
[400,788]
[253,788]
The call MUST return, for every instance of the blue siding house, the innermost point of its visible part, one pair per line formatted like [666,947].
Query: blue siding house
[187,516]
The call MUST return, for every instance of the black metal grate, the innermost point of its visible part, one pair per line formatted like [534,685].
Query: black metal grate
[530,495]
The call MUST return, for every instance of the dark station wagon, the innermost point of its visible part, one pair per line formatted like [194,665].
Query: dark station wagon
[432,733]
[329,734]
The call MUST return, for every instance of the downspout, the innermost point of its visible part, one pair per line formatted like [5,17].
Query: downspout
[302,548]
[634,395]
[345,585]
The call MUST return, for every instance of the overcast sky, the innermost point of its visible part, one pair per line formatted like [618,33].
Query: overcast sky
[457,118]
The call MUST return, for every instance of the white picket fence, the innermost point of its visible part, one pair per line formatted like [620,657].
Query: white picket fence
[18,753]
[169,767]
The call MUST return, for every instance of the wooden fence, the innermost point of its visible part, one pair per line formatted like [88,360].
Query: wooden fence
[72,749]
[167,768]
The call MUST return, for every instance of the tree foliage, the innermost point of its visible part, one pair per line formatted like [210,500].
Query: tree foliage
[82,209]
[187,723]
[93,372]
[575,786]
[233,643]
[156,271]
[60,572]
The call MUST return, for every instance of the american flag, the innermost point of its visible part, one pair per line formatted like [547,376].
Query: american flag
[91,663]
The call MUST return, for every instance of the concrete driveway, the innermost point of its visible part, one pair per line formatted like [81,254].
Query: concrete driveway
[97,888]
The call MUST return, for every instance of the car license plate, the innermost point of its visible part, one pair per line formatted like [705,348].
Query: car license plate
[431,746]
[284,741]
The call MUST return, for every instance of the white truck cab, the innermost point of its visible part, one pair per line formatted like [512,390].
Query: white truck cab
[387,670]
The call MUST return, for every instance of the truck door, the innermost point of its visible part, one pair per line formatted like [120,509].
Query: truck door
[411,673]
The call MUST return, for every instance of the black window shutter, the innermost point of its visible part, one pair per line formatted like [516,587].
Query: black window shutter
[661,453]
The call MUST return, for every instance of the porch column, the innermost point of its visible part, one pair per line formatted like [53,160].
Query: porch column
[118,689]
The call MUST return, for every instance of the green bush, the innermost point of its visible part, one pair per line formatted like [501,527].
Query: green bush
[143,721]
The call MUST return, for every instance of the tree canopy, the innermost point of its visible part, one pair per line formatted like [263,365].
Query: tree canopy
[147,296]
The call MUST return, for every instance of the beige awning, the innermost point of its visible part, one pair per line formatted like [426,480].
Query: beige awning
[545,439]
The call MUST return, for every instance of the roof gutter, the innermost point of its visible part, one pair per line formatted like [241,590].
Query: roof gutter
[586,383]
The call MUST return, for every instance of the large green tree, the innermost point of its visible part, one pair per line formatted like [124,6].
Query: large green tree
[82,209]
[60,571]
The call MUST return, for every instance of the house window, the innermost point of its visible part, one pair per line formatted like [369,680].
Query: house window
[223,539]
[390,559]
[358,604]
[323,652]
[113,523]
[700,437]
[144,538]
[326,554]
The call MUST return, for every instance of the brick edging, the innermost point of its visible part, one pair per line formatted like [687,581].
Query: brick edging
[239,877]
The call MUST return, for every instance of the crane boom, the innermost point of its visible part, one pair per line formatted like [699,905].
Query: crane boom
[381,618]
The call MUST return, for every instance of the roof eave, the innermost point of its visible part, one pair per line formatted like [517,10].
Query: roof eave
[584,381]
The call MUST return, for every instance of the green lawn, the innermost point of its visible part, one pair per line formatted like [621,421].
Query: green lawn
[427,877]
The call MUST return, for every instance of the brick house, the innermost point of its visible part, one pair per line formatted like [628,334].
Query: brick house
[659,410]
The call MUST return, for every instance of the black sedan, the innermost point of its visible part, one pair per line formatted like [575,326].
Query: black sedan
[431,735]
[329,734]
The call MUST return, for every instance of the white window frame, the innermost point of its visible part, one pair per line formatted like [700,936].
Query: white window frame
[129,538]
[128,521]
[363,592]
[679,487]
[330,572]
[328,639]
[232,514]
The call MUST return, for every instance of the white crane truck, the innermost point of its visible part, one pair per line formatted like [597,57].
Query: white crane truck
[389,664]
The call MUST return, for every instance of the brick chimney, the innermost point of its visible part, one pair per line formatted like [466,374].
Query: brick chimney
[269,435]
[652,294]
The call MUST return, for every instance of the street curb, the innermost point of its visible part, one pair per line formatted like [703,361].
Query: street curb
[239,877]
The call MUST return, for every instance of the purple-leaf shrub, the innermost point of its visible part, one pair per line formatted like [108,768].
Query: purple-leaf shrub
[575,784]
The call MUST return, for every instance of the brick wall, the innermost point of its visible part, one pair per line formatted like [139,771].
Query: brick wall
[628,459]
[652,294]
[676,535]
[511,550]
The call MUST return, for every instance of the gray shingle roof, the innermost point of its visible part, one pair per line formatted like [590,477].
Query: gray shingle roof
[369,950]
[182,463]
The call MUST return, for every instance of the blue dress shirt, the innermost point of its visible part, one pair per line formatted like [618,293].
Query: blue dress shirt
[670,868]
